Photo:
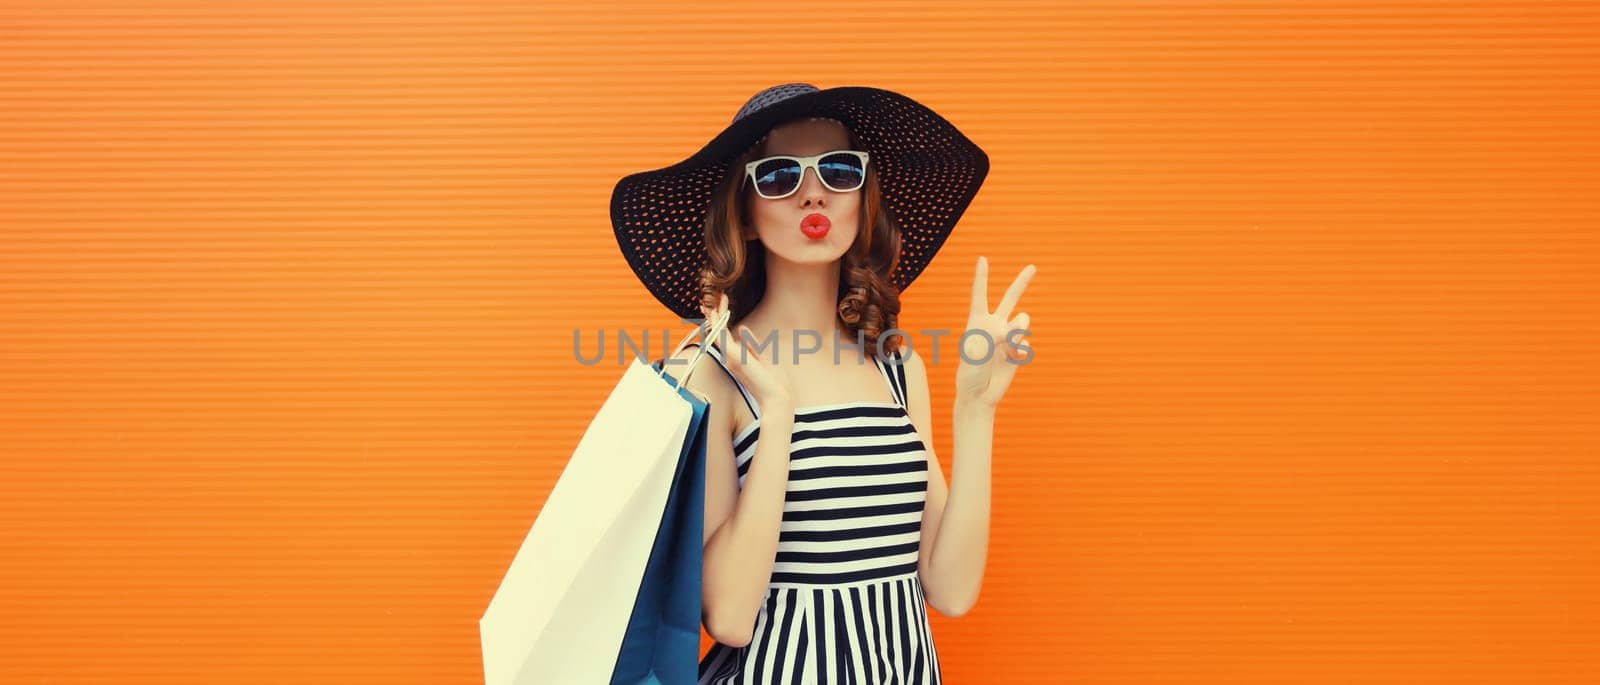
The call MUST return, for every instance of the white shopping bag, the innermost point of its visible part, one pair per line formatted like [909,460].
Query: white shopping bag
[562,609]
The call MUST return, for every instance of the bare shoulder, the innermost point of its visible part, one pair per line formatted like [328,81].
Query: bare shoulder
[916,371]
[911,357]
[917,393]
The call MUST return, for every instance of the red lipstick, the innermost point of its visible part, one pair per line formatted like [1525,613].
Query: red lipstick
[815,225]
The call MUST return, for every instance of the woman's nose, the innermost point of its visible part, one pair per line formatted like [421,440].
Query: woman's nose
[811,189]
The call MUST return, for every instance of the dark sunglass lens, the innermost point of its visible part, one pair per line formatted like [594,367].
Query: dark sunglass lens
[841,171]
[776,177]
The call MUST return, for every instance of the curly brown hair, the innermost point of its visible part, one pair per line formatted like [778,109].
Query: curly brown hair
[868,301]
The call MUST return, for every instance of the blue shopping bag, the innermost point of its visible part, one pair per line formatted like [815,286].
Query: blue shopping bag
[662,643]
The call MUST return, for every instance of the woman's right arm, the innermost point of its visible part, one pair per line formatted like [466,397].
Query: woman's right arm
[741,524]
[741,551]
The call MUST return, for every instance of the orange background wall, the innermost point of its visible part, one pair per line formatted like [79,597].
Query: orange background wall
[287,293]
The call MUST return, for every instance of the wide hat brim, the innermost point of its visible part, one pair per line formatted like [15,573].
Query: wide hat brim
[928,170]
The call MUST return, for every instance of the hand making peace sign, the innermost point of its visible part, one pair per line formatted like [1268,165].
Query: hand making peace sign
[988,374]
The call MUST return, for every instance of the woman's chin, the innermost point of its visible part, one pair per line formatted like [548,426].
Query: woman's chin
[797,247]
[813,252]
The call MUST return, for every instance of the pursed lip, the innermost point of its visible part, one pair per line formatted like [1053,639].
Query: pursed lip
[816,219]
[815,225]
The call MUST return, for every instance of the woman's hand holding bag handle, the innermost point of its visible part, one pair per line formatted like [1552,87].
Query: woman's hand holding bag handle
[710,329]
[763,380]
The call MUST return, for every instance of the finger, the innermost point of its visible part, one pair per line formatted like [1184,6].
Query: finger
[708,318]
[980,287]
[1014,292]
[1017,344]
[712,314]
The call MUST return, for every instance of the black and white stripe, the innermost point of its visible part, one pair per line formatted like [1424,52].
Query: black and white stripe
[845,603]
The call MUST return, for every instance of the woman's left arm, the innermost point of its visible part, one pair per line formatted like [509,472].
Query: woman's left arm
[955,519]
[954,548]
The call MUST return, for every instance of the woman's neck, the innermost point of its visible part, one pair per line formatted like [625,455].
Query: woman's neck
[798,297]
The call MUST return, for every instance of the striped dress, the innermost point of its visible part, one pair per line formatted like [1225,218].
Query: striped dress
[844,605]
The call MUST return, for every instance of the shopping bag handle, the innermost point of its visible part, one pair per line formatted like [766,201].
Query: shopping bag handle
[717,325]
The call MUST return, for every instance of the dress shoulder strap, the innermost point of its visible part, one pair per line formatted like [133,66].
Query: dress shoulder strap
[895,374]
[716,353]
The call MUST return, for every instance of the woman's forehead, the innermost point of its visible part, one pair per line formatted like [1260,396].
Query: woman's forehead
[806,136]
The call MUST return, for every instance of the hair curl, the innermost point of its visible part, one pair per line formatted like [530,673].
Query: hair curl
[868,301]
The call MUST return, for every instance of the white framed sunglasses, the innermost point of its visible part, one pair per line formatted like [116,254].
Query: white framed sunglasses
[779,176]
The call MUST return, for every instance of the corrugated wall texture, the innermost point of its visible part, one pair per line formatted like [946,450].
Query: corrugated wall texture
[287,294]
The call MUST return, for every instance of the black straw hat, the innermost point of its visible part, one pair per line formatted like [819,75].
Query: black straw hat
[927,169]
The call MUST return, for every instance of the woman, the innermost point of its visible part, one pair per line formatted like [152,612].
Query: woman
[828,522]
